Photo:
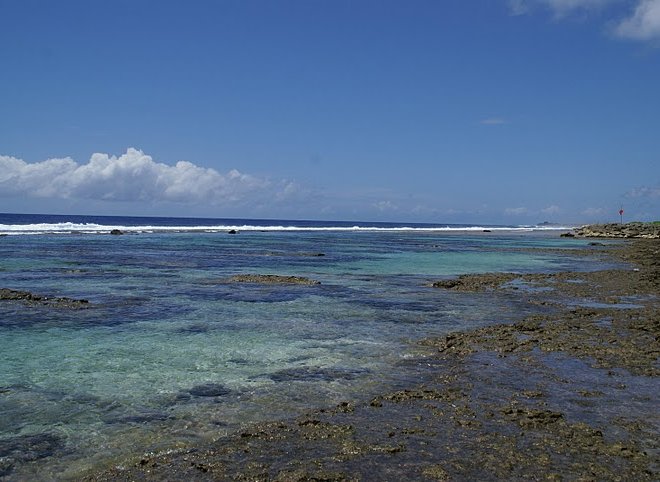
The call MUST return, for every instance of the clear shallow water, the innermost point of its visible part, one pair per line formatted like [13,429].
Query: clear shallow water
[168,353]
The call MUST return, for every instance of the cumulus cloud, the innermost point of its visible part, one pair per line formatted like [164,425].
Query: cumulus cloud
[516,211]
[644,23]
[133,176]
[560,8]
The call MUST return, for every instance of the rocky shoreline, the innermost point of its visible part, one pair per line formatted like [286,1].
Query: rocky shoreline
[569,393]
[616,230]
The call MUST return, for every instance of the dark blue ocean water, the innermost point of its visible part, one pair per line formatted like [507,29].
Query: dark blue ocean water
[169,353]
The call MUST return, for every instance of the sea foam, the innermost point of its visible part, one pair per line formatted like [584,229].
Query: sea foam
[92,228]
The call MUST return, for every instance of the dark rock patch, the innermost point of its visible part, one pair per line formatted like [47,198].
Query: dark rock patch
[314,374]
[239,361]
[475,282]
[139,418]
[272,279]
[33,299]
[302,255]
[531,418]
[27,448]
[260,293]
[209,390]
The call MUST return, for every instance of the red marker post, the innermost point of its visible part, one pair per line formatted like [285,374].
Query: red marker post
[621,214]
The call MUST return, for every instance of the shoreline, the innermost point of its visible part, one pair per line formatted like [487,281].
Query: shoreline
[618,230]
[568,393]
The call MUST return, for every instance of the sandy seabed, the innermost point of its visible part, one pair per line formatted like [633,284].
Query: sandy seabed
[567,394]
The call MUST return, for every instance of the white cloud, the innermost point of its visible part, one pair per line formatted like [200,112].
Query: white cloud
[133,176]
[559,8]
[551,209]
[385,206]
[644,23]
[493,121]
[644,192]
[563,7]
[593,212]
[290,190]
[518,7]
[516,211]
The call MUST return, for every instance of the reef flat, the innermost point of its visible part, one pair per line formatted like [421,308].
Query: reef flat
[568,393]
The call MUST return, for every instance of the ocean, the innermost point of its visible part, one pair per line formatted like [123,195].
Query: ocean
[170,353]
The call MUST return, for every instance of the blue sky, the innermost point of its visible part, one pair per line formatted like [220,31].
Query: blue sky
[508,111]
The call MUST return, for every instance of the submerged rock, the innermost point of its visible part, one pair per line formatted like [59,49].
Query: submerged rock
[272,279]
[315,374]
[299,254]
[27,448]
[138,418]
[116,232]
[209,390]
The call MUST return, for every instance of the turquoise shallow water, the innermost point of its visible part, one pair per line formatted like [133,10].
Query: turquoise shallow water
[169,354]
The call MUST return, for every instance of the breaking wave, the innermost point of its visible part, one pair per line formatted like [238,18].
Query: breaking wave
[95,228]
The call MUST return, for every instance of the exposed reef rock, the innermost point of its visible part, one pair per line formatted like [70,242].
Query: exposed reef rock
[272,279]
[616,230]
[475,282]
[116,232]
[627,341]
[32,299]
